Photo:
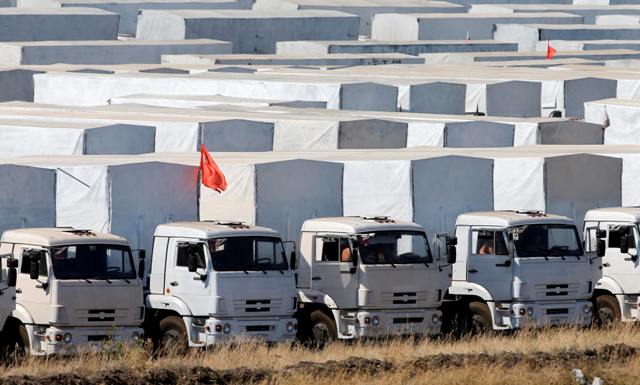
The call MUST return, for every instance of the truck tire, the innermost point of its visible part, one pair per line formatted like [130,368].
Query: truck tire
[22,344]
[172,336]
[607,310]
[479,318]
[323,329]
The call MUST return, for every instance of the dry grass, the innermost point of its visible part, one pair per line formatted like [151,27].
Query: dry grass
[401,354]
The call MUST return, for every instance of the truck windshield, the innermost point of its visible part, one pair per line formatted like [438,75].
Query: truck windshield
[92,262]
[247,254]
[546,240]
[394,247]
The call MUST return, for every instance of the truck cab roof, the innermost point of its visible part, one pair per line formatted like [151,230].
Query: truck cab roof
[60,236]
[614,214]
[355,225]
[213,229]
[510,218]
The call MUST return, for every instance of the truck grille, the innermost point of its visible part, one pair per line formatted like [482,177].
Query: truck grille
[257,305]
[258,328]
[101,315]
[557,290]
[408,320]
[405,298]
[557,311]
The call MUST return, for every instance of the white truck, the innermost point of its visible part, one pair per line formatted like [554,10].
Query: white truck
[519,268]
[8,276]
[612,234]
[75,288]
[214,281]
[367,277]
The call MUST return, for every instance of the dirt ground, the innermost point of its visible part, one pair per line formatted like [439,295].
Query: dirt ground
[526,358]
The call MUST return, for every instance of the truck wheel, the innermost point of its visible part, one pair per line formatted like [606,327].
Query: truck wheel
[323,329]
[22,346]
[607,310]
[172,336]
[479,318]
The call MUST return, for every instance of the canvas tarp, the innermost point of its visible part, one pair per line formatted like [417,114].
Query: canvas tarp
[30,138]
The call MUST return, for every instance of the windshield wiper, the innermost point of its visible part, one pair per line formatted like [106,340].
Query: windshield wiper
[105,278]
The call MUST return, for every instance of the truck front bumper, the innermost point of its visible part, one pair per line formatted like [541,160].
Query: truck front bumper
[56,340]
[221,330]
[383,323]
[522,314]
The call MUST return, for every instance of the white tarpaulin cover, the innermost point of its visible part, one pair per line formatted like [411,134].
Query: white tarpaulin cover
[27,197]
[621,117]
[28,138]
[122,195]
[566,185]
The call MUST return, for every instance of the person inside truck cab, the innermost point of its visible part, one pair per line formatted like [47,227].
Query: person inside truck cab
[486,247]
[345,253]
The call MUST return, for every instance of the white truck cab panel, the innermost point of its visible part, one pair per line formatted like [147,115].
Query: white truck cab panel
[223,281]
[7,296]
[370,277]
[616,229]
[74,288]
[526,267]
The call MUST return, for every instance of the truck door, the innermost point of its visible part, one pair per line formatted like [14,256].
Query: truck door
[333,271]
[33,294]
[182,283]
[490,264]
[622,267]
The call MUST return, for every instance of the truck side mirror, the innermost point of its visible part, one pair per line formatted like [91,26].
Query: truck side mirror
[12,277]
[354,257]
[293,261]
[624,244]
[142,254]
[141,267]
[600,248]
[601,234]
[451,254]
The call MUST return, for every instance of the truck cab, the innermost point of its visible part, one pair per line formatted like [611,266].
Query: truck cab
[8,277]
[367,277]
[612,234]
[517,269]
[75,288]
[213,282]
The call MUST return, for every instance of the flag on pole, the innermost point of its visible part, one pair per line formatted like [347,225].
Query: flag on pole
[212,176]
[551,52]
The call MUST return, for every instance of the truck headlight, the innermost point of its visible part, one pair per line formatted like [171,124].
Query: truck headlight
[290,327]
[435,319]
[226,328]
[67,338]
[586,309]
[375,320]
[529,311]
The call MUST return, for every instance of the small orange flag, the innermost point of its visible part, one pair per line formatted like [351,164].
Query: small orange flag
[212,176]
[551,52]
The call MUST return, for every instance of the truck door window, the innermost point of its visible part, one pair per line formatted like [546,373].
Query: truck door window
[615,232]
[25,264]
[488,242]
[590,241]
[186,249]
[329,251]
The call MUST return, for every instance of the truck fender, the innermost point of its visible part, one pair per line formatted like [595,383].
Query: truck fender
[609,284]
[470,289]
[22,314]
[316,296]
[165,302]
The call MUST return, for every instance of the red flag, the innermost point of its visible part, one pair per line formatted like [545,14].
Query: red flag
[551,52]
[212,176]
